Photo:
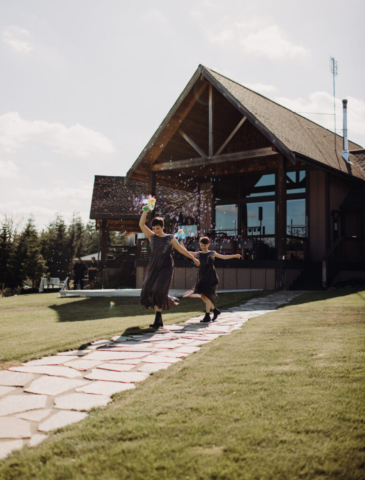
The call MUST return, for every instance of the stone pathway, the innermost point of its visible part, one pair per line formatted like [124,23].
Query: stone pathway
[42,395]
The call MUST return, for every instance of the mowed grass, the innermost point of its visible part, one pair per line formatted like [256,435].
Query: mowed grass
[281,398]
[32,326]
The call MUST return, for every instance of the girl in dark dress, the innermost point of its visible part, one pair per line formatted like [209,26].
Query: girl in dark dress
[156,284]
[208,278]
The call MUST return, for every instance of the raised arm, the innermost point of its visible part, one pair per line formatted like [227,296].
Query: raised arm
[142,225]
[226,257]
[183,250]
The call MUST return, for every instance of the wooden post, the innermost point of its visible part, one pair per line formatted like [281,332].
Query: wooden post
[281,208]
[211,146]
[152,191]
[104,240]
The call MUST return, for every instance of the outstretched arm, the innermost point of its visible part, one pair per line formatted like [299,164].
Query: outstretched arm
[183,250]
[227,257]
[142,225]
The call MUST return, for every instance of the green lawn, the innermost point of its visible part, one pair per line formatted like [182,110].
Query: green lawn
[282,398]
[32,326]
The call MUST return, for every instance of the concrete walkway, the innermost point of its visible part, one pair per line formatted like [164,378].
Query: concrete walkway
[132,292]
[42,395]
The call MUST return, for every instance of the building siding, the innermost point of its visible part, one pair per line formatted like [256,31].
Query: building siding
[317,216]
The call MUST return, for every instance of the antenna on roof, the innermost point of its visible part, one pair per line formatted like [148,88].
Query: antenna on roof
[334,71]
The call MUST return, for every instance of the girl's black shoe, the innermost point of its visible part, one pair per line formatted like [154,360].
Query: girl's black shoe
[206,319]
[216,313]
[158,321]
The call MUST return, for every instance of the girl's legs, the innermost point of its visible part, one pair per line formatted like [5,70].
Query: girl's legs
[158,318]
[207,302]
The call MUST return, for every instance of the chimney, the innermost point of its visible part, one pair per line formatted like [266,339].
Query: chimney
[345,153]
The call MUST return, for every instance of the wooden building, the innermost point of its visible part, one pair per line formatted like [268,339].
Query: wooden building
[272,185]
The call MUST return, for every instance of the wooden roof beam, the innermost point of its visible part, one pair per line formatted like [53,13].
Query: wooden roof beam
[231,135]
[228,157]
[192,143]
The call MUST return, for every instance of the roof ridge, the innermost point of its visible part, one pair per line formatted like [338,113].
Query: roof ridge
[279,104]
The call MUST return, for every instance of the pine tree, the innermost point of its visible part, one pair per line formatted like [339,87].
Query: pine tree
[29,260]
[54,244]
[90,239]
[6,261]
[75,238]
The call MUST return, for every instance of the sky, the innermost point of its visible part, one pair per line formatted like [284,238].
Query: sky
[85,84]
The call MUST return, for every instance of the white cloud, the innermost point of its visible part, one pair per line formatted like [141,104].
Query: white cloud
[77,140]
[261,87]
[256,35]
[226,35]
[253,24]
[42,215]
[8,169]
[322,103]
[74,195]
[17,38]
[272,42]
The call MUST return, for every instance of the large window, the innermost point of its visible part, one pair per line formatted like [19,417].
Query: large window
[295,182]
[296,217]
[226,219]
[296,221]
[259,217]
[189,230]
[258,185]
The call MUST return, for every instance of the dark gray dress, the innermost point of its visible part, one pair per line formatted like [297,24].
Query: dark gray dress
[208,278]
[156,284]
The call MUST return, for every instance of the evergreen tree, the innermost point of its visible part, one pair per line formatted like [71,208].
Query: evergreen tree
[29,261]
[90,239]
[6,261]
[54,243]
[75,238]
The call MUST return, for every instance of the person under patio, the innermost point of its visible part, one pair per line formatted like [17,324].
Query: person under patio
[160,268]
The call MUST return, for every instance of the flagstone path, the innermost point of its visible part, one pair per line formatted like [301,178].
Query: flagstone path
[53,392]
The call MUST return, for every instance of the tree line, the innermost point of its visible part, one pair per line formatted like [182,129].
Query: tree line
[26,254]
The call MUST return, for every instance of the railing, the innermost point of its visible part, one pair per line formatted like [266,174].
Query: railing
[251,247]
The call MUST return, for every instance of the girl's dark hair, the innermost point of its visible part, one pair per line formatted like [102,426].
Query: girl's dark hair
[158,221]
[204,240]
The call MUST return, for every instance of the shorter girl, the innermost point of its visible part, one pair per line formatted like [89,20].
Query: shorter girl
[208,278]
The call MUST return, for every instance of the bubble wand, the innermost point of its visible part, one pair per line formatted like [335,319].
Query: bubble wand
[149,203]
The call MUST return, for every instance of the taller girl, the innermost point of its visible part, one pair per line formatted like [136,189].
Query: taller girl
[156,284]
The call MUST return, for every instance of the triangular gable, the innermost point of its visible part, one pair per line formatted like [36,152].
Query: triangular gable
[290,133]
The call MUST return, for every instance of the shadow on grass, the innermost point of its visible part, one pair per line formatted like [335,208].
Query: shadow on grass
[87,309]
[317,296]
[98,309]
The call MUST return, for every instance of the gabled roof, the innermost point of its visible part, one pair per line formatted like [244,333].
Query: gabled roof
[114,200]
[292,134]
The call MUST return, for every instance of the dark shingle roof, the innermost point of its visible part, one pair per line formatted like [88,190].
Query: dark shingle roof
[358,157]
[112,199]
[295,132]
